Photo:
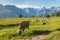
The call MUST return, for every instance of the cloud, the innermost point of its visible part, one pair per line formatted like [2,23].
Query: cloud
[27,6]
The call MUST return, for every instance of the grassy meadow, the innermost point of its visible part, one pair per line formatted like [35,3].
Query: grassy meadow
[9,27]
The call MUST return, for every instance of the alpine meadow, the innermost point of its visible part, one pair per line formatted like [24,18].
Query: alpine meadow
[30,20]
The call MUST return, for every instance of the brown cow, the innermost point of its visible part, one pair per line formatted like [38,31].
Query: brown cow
[44,22]
[24,25]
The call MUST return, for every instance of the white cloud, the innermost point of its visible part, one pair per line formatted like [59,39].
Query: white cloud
[27,6]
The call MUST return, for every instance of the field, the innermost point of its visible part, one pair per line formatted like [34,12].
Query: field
[9,27]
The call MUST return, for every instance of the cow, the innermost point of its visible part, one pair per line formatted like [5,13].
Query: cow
[44,22]
[24,25]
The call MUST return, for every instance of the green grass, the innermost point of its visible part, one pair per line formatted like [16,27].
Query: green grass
[8,33]
[53,36]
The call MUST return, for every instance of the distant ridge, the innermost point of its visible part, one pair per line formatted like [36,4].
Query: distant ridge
[11,11]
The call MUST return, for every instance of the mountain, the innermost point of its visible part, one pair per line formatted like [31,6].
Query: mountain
[1,7]
[31,11]
[11,11]
[44,11]
[16,10]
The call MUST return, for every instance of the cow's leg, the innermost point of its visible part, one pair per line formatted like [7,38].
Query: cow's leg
[23,31]
[27,29]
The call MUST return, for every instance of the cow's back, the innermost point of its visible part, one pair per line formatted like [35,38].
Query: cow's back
[24,24]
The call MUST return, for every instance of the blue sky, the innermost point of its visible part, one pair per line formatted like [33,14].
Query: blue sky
[32,3]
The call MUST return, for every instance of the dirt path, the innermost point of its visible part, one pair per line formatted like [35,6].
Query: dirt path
[39,37]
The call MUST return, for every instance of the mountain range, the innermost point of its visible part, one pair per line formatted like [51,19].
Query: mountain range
[11,11]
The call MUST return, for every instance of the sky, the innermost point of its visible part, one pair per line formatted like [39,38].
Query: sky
[32,3]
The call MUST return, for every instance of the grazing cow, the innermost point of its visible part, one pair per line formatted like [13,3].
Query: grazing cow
[44,22]
[24,25]
[37,20]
